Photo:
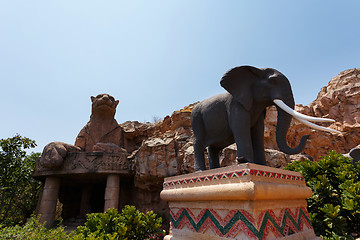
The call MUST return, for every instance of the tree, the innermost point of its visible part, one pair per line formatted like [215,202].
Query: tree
[18,190]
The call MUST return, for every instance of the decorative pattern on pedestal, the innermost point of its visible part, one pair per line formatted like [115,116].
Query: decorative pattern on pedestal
[247,201]
[235,174]
[280,224]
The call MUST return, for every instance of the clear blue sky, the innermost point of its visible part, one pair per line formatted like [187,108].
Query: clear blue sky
[157,56]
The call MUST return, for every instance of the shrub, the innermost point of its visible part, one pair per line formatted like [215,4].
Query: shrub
[334,207]
[33,230]
[129,224]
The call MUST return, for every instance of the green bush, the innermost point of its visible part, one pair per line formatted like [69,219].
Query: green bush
[334,207]
[33,230]
[129,224]
[18,190]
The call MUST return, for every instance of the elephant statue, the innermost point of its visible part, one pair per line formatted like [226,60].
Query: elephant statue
[238,116]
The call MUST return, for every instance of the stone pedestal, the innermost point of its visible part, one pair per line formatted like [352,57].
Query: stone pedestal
[246,201]
[48,200]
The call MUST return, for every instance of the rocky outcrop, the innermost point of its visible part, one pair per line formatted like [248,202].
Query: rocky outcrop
[165,148]
[339,100]
[167,151]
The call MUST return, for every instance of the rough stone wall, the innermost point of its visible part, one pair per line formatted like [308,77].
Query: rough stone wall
[165,148]
[339,100]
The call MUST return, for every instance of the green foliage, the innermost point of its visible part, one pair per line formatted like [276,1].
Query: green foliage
[18,190]
[33,230]
[335,204]
[129,224]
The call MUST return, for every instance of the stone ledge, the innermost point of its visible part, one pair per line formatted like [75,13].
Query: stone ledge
[241,191]
[88,162]
[243,182]
[235,174]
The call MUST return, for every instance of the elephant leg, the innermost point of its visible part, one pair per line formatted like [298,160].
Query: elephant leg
[214,157]
[257,137]
[244,146]
[199,156]
[240,122]
[197,125]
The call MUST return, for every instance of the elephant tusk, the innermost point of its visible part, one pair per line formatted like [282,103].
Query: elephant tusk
[305,119]
[312,125]
[298,115]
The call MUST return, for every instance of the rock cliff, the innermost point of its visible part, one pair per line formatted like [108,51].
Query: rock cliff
[165,148]
[339,100]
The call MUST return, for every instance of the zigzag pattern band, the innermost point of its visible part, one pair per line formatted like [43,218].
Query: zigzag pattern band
[235,221]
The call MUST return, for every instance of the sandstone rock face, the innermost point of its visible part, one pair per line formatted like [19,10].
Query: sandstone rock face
[274,158]
[167,149]
[339,100]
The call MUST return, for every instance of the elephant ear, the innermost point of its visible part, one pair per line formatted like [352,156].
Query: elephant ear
[238,82]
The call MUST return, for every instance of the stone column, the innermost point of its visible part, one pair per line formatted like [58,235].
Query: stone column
[112,191]
[48,200]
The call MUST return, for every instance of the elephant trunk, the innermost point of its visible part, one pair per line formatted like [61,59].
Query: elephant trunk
[283,124]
